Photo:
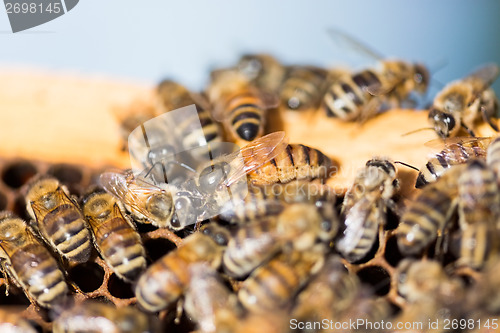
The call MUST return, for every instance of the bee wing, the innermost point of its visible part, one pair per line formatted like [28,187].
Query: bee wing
[348,42]
[118,184]
[458,141]
[255,154]
[487,74]
[60,196]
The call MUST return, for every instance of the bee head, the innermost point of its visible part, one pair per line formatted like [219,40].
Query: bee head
[421,78]
[160,206]
[444,123]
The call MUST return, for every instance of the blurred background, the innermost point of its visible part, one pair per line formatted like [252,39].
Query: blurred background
[150,40]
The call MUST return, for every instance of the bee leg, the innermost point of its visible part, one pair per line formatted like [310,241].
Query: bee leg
[471,133]
[487,117]
[178,311]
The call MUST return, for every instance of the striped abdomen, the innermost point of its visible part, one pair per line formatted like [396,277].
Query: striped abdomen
[249,247]
[453,155]
[296,162]
[163,283]
[303,88]
[245,116]
[39,274]
[346,97]
[270,286]
[121,247]
[476,244]
[493,156]
[66,230]
[427,215]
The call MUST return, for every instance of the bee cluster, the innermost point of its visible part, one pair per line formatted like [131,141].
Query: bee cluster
[132,251]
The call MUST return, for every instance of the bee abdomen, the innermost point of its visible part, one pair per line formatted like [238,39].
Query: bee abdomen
[420,224]
[40,274]
[343,100]
[475,245]
[162,284]
[269,287]
[493,155]
[364,244]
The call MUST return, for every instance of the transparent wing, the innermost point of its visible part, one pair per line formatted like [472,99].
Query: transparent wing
[487,73]
[126,189]
[355,221]
[254,155]
[348,42]
[459,140]
[460,149]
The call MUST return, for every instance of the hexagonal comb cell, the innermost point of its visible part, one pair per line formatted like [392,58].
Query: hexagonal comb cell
[18,173]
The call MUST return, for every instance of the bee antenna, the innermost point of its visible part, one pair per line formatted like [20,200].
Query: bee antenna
[407,165]
[417,130]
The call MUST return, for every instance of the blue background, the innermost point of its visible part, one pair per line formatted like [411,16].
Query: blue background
[148,40]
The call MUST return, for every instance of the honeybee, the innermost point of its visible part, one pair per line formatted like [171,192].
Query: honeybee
[93,316]
[424,281]
[268,200]
[493,156]
[163,206]
[303,87]
[296,162]
[479,213]
[273,285]
[115,236]
[166,279]
[29,264]
[360,96]
[331,292]
[427,216]
[58,219]
[12,322]
[262,70]
[195,129]
[239,106]
[456,151]
[462,102]
[209,302]
[297,228]
[365,207]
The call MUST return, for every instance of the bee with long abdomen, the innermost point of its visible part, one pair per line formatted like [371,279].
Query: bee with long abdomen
[273,285]
[239,106]
[115,236]
[296,162]
[58,219]
[29,264]
[166,279]
[427,216]
[479,213]
[303,87]
[365,207]
[361,95]
[464,101]
[456,151]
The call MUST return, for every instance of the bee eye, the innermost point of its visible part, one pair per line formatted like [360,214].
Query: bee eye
[185,211]
[211,177]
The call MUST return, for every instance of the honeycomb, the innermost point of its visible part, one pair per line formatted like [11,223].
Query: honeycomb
[351,148]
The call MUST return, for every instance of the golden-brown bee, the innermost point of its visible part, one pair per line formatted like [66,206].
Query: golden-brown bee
[464,101]
[331,292]
[361,95]
[148,203]
[365,207]
[166,279]
[93,316]
[493,156]
[262,70]
[456,151]
[209,302]
[239,106]
[115,236]
[298,227]
[479,213]
[303,87]
[427,216]
[59,219]
[29,264]
[172,96]
[296,162]
[425,281]
[273,285]
[12,322]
